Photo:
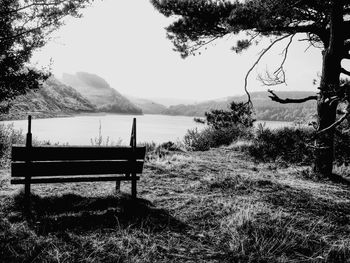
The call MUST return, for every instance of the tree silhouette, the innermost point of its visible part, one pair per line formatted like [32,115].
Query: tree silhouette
[25,27]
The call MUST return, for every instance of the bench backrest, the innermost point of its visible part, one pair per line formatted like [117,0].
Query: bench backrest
[51,161]
[54,160]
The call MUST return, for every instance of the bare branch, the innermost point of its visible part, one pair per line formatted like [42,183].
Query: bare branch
[279,75]
[274,97]
[264,51]
[335,124]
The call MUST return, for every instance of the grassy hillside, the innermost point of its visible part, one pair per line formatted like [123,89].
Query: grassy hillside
[214,206]
[147,106]
[100,93]
[54,99]
[265,108]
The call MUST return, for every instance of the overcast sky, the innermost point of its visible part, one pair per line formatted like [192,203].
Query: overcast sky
[125,43]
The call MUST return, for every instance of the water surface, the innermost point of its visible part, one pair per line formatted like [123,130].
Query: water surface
[79,130]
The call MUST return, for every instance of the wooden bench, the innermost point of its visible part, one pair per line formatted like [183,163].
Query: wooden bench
[63,164]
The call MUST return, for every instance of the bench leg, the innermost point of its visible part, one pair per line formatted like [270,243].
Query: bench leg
[27,195]
[117,186]
[133,187]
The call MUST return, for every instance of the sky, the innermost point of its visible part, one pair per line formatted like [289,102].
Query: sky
[125,43]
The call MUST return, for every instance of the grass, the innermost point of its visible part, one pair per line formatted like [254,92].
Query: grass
[214,206]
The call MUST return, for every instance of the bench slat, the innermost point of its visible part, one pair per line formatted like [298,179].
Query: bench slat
[49,153]
[74,179]
[75,168]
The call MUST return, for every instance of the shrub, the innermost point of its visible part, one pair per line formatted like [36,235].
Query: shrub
[210,137]
[156,151]
[239,114]
[8,136]
[223,127]
[197,140]
[342,145]
[291,145]
[171,146]
[150,146]
[225,136]
[285,144]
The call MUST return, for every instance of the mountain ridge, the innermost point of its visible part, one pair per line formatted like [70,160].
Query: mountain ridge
[264,107]
[56,99]
[100,93]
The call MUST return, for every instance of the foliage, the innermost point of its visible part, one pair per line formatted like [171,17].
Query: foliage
[24,27]
[223,127]
[156,152]
[197,140]
[209,137]
[342,144]
[8,136]
[293,145]
[239,114]
[198,21]
[285,144]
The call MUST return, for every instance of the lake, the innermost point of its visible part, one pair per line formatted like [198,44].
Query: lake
[80,129]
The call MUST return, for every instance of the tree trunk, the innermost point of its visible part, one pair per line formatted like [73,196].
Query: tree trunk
[326,107]
[324,154]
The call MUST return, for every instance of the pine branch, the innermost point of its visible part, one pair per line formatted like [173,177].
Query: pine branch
[274,97]
[196,47]
[36,4]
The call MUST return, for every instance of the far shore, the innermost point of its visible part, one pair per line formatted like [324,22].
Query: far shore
[50,115]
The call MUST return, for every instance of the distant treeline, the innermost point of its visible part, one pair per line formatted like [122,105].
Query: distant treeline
[264,107]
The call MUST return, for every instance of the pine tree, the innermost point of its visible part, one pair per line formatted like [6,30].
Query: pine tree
[325,23]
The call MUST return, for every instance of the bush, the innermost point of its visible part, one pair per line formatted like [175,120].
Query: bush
[210,137]
[342,145]
[239,114]
[156,151]
[197,140]
[224,127]
[8,136]
[285,144]
[291,145]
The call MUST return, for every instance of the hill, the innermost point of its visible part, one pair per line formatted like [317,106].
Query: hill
[54,99]
[147,106]
[100,93]
[265,108]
